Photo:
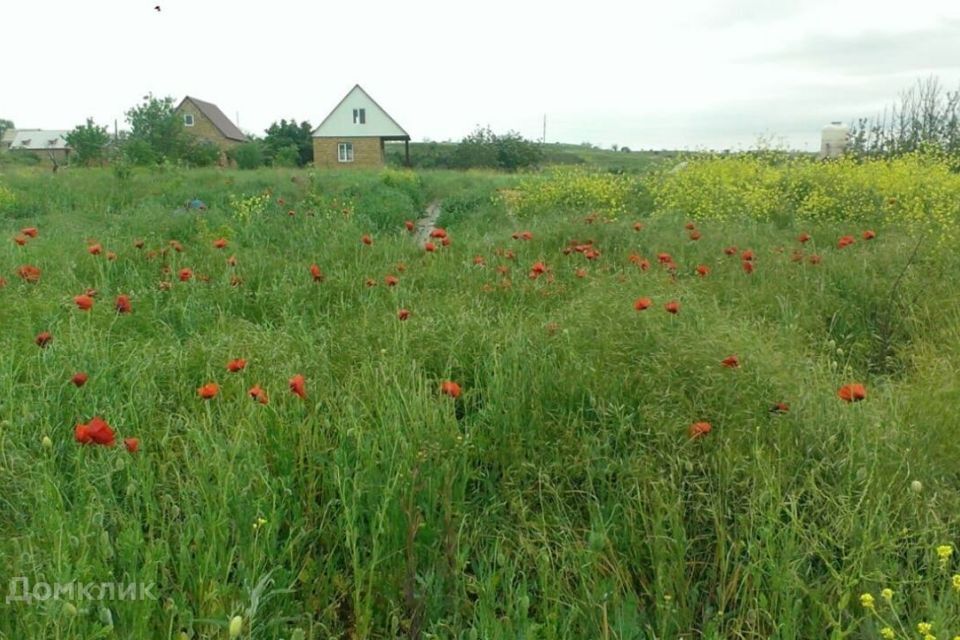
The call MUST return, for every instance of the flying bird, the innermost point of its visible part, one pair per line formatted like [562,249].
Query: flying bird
[157,8]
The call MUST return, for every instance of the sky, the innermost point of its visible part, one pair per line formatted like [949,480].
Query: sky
[686,74]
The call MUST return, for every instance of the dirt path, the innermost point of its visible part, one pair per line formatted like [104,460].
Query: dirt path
[427,223]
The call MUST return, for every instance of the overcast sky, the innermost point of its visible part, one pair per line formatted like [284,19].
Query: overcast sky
[680,74]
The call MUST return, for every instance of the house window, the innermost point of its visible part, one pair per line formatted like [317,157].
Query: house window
[345,152]
[359,116]
[188,119]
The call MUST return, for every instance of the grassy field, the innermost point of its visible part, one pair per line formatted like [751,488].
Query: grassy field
[565,488]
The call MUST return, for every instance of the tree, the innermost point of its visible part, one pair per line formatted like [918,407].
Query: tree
[156,132]
[484,148]
[4,125]
[89,143]
[283,135]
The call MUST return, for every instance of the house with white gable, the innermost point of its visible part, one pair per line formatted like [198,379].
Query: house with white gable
[354,133]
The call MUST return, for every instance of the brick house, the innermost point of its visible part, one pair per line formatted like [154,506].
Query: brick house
[354,133]
[206,122]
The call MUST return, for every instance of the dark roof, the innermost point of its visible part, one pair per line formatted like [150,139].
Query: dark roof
[218,118]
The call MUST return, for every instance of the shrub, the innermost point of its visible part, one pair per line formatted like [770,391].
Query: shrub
[249,155]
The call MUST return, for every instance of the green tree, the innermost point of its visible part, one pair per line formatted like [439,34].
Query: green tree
[485,149]
[4,125]
[282,135]
[89,143]
[156,132]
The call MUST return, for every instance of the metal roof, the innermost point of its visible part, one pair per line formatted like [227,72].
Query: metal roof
[40,139]
[217,117]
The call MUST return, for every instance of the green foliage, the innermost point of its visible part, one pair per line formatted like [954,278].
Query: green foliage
[574,190]
[89,143]
[485,149]
[5,124]
[156,132]
[249,155]
[289,144]
[201,153]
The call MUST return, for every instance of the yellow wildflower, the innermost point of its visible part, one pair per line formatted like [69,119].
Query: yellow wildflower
[887,633]
[956,582]
[924,628]
[887,594]
[866,600]
[944,552]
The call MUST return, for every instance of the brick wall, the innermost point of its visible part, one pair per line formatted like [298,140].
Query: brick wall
[367,152]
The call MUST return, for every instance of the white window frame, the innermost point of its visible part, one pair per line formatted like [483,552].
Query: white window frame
[188,120]
[360,115]
[345,152]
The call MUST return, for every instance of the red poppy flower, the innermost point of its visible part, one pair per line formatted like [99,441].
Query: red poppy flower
[236,365]
[138,244]
[316,273]
[209,391]
[95,249]
[698,430]
[185,274]
[703,270]
[298,386]
[731,362]
[366,239]
[83,302]
[392,281]
[814,259]
[478,260]
[672,307]
[445,241]
[449,388]
[537,270]
[409,225]
[845,241]
[637,226]
[30,232]
[642,304]
[132,444]
[664,258]
[690,226]
[79,379]
[21,239]
[869,234]
[730,251]
[43,339]
[780,407]
[439,232]
[220,243]
[429,247]
[580,273]
[853,392]
[803,237]
[97,431]
[644,264]
[3,282]
[670,266]
[695,235]
[747,266]
[176,246]
[403,314]
[747,255]
[258,394]
[123,304]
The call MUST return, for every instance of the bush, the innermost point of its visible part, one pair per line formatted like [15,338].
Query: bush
[486,150]
[249,155]
[201,154]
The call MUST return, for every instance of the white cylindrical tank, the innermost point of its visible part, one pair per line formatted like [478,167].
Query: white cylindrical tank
[833,140]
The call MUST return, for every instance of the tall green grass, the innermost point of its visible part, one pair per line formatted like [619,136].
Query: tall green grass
[558,497]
